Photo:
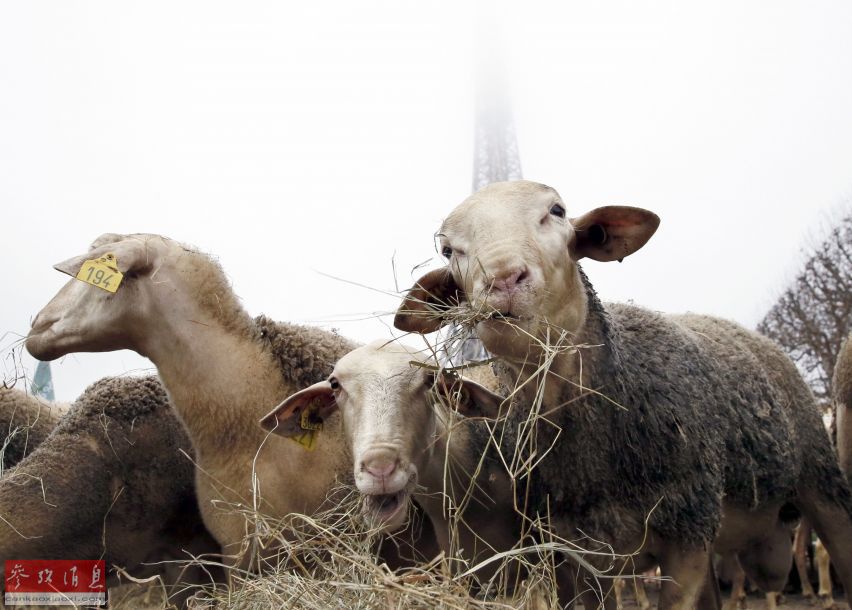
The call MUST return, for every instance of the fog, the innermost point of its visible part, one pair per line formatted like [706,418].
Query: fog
[304,143]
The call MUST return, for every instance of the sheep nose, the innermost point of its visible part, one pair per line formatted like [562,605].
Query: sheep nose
[37,320]
[42,321]
[508,281]
[380,463]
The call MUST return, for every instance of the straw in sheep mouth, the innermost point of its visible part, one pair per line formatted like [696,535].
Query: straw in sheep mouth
[385,506]
[505,316]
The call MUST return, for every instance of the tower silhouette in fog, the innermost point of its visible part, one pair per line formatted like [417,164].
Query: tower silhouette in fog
[495,159]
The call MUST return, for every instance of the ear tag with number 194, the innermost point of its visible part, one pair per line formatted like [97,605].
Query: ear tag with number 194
[101,272]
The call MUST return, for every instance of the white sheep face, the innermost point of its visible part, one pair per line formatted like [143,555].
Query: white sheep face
[84,318]
[388,420]
[507,247]
[511,253]
[386,394]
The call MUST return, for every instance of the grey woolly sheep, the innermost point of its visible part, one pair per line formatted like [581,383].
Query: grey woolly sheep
[841,389]
[25,421]
[108,482]
[645,418]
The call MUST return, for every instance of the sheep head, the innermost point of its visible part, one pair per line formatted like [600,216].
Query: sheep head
[386,394]
[105,313]
[511,252]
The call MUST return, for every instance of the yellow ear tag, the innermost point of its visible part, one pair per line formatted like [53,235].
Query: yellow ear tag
[101,272]
[310,419]
[311,423]
[307,439]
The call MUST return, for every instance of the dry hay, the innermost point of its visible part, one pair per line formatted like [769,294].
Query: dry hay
[329,560]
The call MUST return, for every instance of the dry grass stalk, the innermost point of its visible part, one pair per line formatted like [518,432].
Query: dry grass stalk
[329,560]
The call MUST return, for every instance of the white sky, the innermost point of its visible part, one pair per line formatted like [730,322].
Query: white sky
[330,137]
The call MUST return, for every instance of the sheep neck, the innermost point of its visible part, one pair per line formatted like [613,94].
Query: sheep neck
[220,378]
[575,357]
[453,468]
[440,444]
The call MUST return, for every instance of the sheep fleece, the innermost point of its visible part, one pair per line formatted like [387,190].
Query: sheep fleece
[104,464]
[700,419]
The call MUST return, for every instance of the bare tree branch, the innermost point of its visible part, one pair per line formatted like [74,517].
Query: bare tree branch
[811,318]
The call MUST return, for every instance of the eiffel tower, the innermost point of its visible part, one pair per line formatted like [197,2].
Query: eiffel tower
[495,152]
[495,159]
[42,384]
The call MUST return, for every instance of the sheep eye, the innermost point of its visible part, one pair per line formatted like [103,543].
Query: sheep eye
[557,210]
[447,251]
[335,385]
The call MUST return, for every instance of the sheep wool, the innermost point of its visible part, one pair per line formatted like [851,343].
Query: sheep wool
[108,482]
[304,353]
[842,392]
[25,421]
[694,417]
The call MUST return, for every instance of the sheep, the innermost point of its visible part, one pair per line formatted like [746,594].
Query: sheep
[109,482]
[775,553]
[402,447]
[738,591]
[841,390]
[401,421]
[842,394]
[639,593]
[221,368]
[800,553]
[25,421]
[842,402]
[665,420]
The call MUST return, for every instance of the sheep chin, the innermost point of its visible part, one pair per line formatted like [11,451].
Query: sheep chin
[508,336]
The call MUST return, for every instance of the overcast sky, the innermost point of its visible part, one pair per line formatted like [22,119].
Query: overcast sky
[296,140]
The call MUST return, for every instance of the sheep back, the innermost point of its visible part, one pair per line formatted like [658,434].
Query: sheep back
[305,354]
[25,421]
[684,411]
[119,440]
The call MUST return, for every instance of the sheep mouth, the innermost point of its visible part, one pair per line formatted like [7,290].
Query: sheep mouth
[504,318]
[41,342]
[383,507]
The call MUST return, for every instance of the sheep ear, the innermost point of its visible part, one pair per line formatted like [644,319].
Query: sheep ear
[72,265]
[468,397]
[317,402]
[130,254]
[612,232]
[424,308]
